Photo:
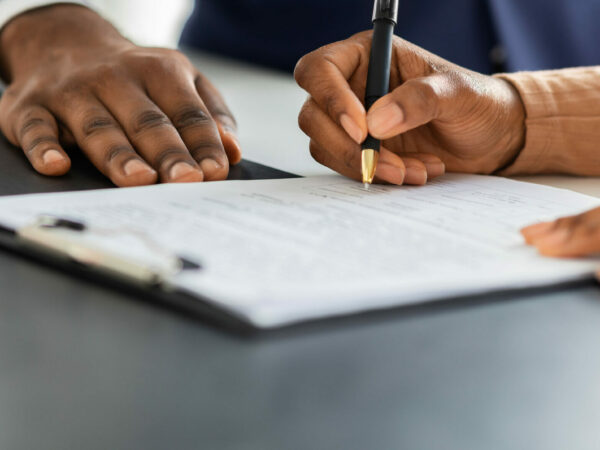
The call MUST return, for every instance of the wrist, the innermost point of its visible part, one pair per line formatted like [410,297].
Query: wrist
[45,35]
[515,127]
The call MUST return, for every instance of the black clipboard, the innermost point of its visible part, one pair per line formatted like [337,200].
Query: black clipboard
[149,290]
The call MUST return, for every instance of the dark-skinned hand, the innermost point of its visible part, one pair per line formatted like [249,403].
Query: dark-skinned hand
[438,116]
[141,115]
[568,237]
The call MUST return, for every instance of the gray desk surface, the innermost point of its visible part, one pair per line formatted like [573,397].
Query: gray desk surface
[86,367]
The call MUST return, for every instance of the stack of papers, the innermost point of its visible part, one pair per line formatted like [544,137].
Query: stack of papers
[276,252]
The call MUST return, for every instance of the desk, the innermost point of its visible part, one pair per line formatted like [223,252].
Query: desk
[86,367]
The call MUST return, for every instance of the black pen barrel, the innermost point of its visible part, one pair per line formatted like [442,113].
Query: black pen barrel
[378,78]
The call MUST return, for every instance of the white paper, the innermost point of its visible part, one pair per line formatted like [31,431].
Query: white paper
[280,251]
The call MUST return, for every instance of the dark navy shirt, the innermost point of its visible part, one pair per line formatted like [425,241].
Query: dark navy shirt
[531,34]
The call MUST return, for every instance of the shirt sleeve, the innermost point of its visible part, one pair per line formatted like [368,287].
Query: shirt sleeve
[12,8]
[562,109]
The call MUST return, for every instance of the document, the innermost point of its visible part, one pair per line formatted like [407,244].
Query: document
[275,252]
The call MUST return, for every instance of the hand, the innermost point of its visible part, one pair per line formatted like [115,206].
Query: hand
[438,116]
[139,114]
[567,237]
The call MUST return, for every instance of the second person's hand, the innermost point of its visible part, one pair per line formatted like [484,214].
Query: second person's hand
[438,116]
[141,115]
[568,237]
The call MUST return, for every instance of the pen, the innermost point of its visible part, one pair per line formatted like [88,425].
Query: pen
[385,16]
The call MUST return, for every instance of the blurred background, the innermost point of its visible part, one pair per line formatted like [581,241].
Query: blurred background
[147,22]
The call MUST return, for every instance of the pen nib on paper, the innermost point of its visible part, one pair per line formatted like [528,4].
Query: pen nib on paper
[369,159]
[366,185]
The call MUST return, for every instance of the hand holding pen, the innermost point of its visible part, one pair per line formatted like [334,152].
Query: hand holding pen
[437,116]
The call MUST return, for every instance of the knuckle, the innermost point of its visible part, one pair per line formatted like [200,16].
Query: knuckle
[200,81]
[148,120]
[29,125]
[425,94]
[163,63]
[300,71]
[175,56]
[204,148]
[349,157]
[116,151]
[306,66]
[96,124]
[304,118]
[563,222]
[317,154]
[76,85]
[425,97]
[226,120]
[12,91]
[332,104]
[165,156]
[591,229]
[190,116]
[38,142]
[106,75]
[577,221]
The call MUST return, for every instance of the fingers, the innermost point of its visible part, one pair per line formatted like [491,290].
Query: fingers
[332,147]
[220,112]
[191,119]
[152,133]
[415,103]
[36,132]
[533,232]
[390,167]
[324,74]
[567,237]
[103,141]
[434,166]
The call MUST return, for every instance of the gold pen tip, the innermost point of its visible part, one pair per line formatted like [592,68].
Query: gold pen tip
[369,159]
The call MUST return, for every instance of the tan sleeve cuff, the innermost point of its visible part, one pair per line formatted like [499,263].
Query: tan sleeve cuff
[562,110]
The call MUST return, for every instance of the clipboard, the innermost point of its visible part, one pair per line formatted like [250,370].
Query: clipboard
[247,305]
[147,285]
[16,177]
[53,242]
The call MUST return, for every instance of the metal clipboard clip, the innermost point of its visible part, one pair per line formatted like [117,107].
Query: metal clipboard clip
[122,252]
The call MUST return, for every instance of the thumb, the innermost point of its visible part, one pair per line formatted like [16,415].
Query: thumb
[416,102]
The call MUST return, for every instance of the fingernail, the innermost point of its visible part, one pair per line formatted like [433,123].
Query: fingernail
[135,166]
[210,167]
[352,128]
[416,176]
[52,156]
[390,173]
[182,171]
[383,119]
[435,169]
